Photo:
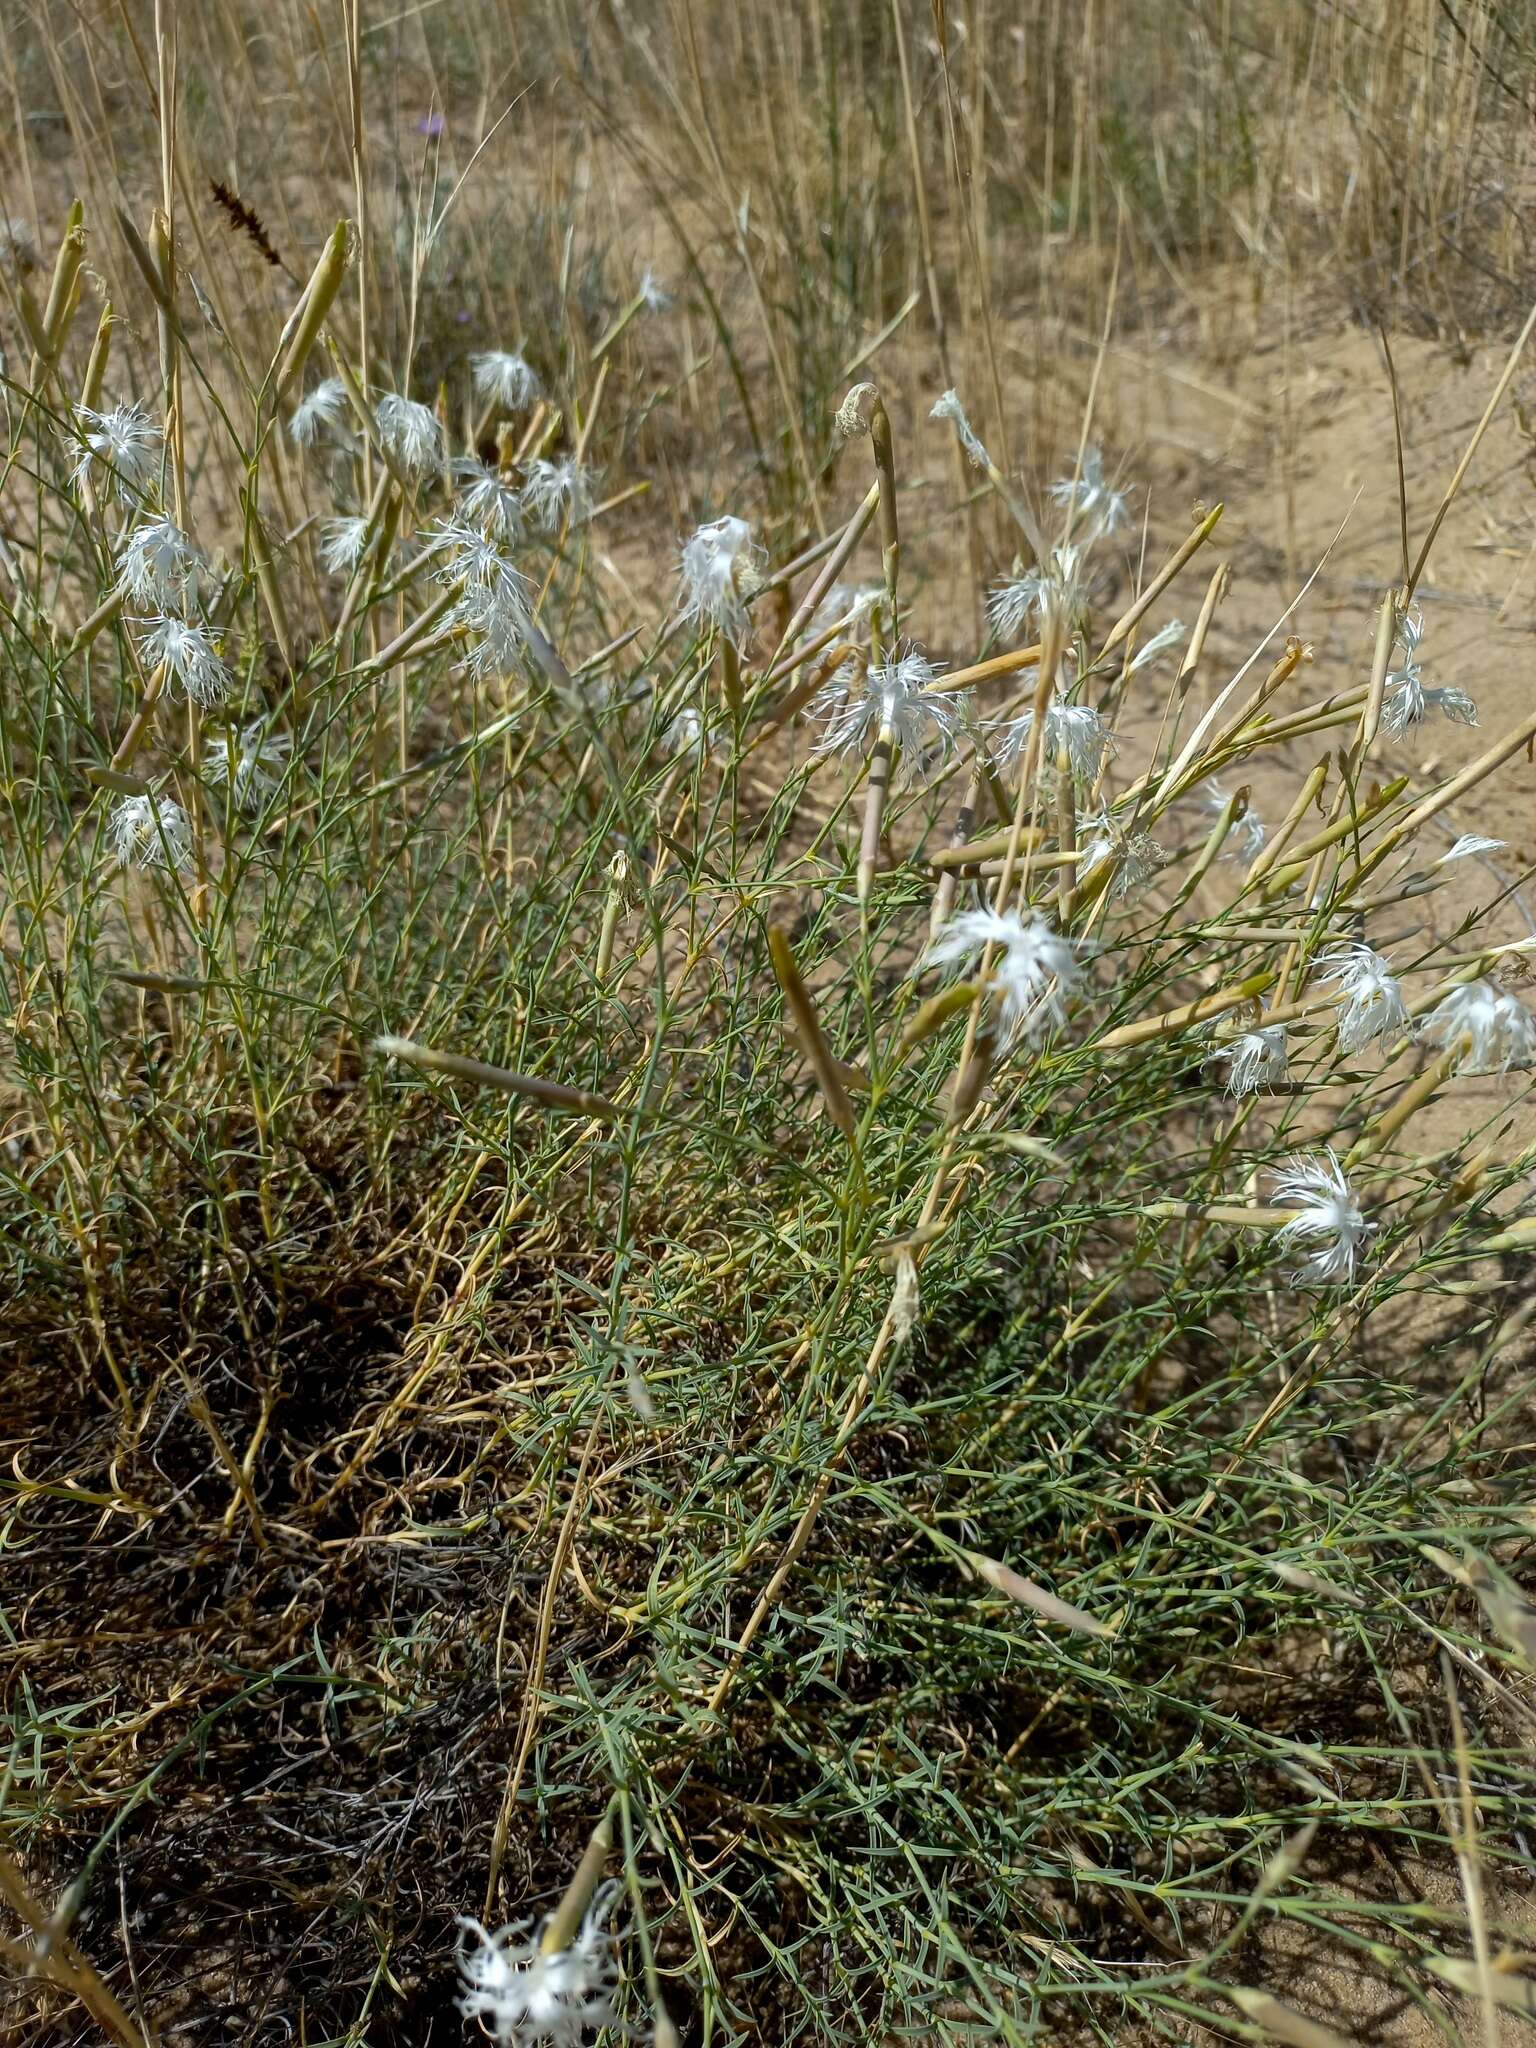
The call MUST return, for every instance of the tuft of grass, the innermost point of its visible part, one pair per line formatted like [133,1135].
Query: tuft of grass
[550,1341]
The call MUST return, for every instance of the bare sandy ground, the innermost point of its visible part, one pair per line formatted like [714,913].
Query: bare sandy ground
[1300,446]
[1296,441]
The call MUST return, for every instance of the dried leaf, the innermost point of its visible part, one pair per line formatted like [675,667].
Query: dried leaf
[965,1089]
[1509,1613]
[1513,1992]
[1036,1598]
[1312,1582]
[550,1094]
[809,1033]
[1280,2022]
[1286,1861]
[935,1014]
[906,1298]
[1029,1148]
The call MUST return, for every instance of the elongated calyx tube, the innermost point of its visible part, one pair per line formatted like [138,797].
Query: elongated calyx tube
[308,317]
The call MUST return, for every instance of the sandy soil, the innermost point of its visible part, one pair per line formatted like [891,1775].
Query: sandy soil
[1296,441]
[1308,432]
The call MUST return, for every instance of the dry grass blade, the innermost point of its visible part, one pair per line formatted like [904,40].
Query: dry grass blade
[1282,2022]
[1177,562]
[832,568]
[1463,1831]
[1314,1582]
[811,1038]
[1049,1606]
[548,1094]
[1504,1984]
[1306,797]
[52,1957]
[992,670]
[312,311]
[1370,716]
[1187,1015]
[992,846]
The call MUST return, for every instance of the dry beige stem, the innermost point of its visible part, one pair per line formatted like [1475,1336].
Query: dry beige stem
[548,1094]
[809,1032]
[1049,1606]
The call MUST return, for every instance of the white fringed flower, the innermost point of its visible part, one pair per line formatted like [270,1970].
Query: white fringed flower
[1034,974]
[653,295]
[1328,1219]
[1097,511]
[341,544]
[1137,854]
[322,407]
[159,567]
[1246,839]
[251,763]
[493,607]
[1010,605]
[1468,846]
[1253,1059]
[486,501]
[949,408]
[522,1996]
[1051,590]
[190,658]
[1168,636]
[124,441]
[719,570]
[505,377]
[557,490]
[1408,632]
[1409,699]
[496,619]
[1370,995]
[150,832]
[686,734]
[458,549]
[1075,730]
[898,696]
[849,605]
[1494,1031]
[1410,702]
[412,435]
